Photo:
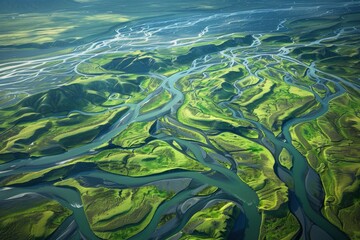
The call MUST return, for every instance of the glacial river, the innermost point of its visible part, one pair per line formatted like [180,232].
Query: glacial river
[30,76]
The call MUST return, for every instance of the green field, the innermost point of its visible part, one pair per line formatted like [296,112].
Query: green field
[176,120]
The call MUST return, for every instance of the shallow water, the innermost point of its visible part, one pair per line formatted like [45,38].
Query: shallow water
[26,74]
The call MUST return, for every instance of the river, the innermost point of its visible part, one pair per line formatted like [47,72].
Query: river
[27,77]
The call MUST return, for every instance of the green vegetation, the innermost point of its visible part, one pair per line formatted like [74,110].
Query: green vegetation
[204,114]
[276,39]
[45,175]
[285,159]
[135,135]
[199,51]
[279,224]
[256,93]
[248,81]
[331,146]
[166,218]
[207,191]
[157,102]
[118,214]
[239,91]
[54,121]
[155,157]
[49,136]
[176,129]
[255,168]
[213,222]
[339,55]
[273,101]
[36,218]
[201,109]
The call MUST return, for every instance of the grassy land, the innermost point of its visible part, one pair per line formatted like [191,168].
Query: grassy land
[34,219]
[207,191]
[213,222]
[204,114]
[280,224]
[59,119]
[155,157]
[255,168]
[173,128]
[331,146]
[285,159]
[270,89]
[115,213]
[156,102]
[47,136]
[50,174]
[201,109]
[273,101]
[135,135]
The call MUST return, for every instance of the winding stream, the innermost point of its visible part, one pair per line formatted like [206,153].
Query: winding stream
[28,77]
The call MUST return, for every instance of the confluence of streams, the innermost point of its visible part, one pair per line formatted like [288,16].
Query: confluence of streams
[143,37]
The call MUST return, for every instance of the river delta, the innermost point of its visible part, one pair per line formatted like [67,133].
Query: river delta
[212,122]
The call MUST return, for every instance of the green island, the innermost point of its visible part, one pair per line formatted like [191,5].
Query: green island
[34,219]
[179,120]
[212,222]
[118,213]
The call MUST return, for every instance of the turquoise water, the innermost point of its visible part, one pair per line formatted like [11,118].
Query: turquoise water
[154,25]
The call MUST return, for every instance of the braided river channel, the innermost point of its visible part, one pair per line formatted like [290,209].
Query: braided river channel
[29,76]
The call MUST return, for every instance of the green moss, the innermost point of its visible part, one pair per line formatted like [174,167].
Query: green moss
[180,131]
[204,114]
[249,133]
[156,102]
[331,86]
[350,218]
[255,168]
[47,174]
[248,81]
[52,136]
[320,90]
[134,135]
[36,220]
[207,191]
[280,224]
[285,159]
[166,218]
[255,93]
[148,84]
[208,48]
[272,102]
[276,39]
[118,214]
[54,121]
[214,222]
[153,158]
[330,144]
